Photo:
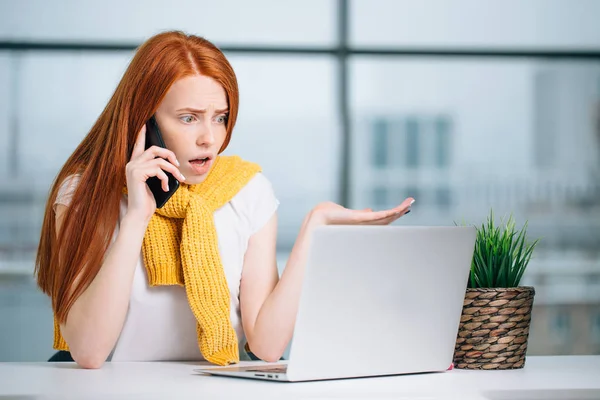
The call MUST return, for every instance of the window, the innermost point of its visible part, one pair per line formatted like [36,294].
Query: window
[538,24]
[560,324]
[412,142]
[595,326]
[270,22]
[416,193]
[443,197]
[380,142]
[513,127]
[268,131]
[381,197]
[442,142]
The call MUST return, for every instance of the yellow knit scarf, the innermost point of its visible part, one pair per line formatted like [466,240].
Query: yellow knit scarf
[180,248]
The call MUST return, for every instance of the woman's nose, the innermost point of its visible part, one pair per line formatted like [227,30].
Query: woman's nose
[206,136]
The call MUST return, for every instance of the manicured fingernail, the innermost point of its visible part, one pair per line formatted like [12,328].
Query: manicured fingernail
[412,201]
[177,161]
[183,177]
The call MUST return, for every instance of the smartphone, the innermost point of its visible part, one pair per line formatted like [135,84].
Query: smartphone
[154,138]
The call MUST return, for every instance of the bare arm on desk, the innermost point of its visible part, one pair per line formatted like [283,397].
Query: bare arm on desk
[96,318]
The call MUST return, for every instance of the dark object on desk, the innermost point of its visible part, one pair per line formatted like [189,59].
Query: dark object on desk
[61,356]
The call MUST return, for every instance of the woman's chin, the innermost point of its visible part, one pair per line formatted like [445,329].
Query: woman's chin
[194,179]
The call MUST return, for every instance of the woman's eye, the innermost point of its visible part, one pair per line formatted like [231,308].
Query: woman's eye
[221,119]
[188,119]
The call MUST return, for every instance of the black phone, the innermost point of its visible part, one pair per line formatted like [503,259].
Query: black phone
[154,138]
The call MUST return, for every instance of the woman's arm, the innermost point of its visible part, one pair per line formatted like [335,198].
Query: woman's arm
[269,306]
[96,318]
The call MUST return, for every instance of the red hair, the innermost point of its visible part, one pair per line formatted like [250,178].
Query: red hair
[66,264]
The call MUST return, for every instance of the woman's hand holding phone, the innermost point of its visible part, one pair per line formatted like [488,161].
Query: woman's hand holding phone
[144,164]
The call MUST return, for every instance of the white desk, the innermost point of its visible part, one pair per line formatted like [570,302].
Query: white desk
[542,378]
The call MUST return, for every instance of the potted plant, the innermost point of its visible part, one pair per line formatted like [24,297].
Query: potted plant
[494,325]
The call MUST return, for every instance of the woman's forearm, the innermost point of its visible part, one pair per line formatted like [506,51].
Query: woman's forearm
[96,318]
[275,322]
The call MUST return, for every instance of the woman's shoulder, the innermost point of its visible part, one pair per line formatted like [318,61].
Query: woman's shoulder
[257,200]
[259,185]
[66,189]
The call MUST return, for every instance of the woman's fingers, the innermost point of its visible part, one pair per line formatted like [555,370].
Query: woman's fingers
[337,215]
[385,216]
[140,143]
[157,168]
[167,166]
[370,216]
[164,179]
[382,221]
[155,151]
[141,154]
[385,221]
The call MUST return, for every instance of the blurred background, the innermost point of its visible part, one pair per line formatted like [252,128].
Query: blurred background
[465,105]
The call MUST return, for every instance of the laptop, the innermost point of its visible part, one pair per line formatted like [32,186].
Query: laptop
[376,301]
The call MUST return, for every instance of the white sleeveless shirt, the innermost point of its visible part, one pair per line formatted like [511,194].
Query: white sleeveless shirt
[160,325]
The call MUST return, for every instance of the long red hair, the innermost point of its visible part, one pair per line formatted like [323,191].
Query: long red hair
[68,262]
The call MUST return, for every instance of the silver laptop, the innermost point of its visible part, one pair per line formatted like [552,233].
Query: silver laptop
[376,300]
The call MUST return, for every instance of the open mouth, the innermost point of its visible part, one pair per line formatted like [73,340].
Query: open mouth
[200,161]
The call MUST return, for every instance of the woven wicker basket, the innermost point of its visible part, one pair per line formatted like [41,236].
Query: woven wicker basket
[494,328]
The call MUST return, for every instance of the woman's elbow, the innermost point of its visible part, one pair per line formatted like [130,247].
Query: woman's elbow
[88,352]
[268,353]
[89,360]
[271,358]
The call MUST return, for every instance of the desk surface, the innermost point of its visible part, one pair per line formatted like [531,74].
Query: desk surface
[569,377]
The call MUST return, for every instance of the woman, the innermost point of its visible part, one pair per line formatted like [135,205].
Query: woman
[197,278]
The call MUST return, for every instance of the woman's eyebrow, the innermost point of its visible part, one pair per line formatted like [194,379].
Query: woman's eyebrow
[198,111]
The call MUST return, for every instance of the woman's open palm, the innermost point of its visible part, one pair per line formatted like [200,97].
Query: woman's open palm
[330,213]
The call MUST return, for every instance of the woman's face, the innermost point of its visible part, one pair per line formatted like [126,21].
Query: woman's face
[192,119]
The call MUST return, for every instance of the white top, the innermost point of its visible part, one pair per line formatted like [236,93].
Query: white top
[572,377]
[160,325]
